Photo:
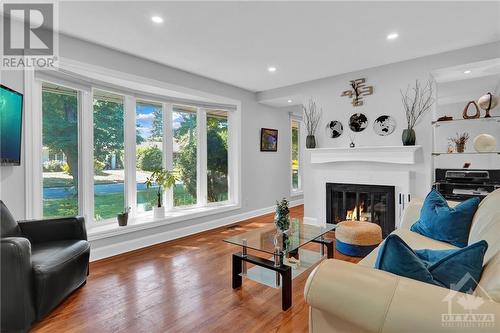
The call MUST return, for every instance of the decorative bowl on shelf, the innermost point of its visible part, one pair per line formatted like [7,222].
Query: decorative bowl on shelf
[445,118]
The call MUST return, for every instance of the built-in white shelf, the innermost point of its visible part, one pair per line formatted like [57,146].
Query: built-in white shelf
[467,153]
[461,120]
[379,154]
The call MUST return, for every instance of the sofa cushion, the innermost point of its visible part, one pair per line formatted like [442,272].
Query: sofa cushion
[458,269]
[59,267]
[414,240]
[440,222]
[8,225]
[395,256]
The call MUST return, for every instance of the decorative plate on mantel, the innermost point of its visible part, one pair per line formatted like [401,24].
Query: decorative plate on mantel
[384,125]
[358,122]
[336,128]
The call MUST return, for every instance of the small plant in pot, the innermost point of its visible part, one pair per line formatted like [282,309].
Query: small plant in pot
[282,216]
[416,102]
[123,217]
[162,179]
[311,119]
[460,140]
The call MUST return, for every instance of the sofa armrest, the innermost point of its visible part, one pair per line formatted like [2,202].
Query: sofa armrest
[376,301]
[17,308]
[64,228]
[411,213]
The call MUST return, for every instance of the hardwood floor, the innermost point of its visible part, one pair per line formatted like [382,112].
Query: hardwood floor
[179,286]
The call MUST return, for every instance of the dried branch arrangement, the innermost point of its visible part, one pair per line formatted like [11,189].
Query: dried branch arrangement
[312,116]
[460,139]
[417,101]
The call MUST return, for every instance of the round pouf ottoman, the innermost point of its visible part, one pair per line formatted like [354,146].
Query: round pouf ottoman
[356,238]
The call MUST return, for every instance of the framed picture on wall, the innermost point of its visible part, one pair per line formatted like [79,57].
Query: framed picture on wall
[268,139]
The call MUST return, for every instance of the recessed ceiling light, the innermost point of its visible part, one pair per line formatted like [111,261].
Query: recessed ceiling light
[393,35]
[271,69]
[467,71]
[289,101]
[157,19]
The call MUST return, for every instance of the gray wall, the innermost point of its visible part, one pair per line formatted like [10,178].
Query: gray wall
[264,177]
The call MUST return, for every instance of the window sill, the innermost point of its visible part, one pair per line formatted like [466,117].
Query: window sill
[147,221]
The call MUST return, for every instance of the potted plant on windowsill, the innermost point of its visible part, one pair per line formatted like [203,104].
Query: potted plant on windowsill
[163,179]
[123,217]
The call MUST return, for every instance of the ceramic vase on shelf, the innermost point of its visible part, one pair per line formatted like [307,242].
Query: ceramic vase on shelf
[282,216]
[408,137]
[310,141]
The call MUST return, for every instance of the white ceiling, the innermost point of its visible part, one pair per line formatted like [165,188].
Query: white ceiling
[235,42]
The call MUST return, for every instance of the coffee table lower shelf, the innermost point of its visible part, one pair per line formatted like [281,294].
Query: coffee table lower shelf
[269,278]
[274,275]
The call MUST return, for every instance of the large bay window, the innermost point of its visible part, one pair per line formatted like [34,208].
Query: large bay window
[99,145]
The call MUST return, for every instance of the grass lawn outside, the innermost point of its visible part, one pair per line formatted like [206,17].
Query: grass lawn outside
[108,205]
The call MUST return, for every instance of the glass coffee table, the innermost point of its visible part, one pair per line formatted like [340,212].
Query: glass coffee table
[283,257]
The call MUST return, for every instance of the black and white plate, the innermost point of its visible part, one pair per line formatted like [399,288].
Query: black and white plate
[384,125]
[358,122]
[336,128]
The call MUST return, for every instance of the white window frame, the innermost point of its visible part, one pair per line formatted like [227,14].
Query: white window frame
[167,153]
[299,190]
[34,170]
[230,161]
[34,197]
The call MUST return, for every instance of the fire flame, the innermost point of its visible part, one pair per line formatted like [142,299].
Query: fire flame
[352,215]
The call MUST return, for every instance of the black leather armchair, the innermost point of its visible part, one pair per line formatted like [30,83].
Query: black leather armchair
[42,262]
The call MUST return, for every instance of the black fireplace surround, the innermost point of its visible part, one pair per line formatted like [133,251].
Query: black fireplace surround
[372,203]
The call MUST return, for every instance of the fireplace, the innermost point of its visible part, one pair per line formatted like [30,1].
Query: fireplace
[372,203]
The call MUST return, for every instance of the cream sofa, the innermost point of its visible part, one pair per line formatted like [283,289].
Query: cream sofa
[346,297]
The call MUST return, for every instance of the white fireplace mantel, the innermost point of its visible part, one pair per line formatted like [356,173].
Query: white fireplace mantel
[380,154]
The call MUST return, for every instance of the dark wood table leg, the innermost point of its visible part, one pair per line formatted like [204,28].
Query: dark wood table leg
[284,271]
[329,246]
[286,289]
[330,251]
[237,261]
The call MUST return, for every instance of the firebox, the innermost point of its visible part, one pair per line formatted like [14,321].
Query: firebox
[371,203]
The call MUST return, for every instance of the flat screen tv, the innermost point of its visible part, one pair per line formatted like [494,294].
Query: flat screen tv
[11,118]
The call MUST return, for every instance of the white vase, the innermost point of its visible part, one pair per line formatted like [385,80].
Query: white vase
[158,212]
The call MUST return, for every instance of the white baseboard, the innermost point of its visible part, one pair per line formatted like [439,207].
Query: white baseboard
[113,247]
